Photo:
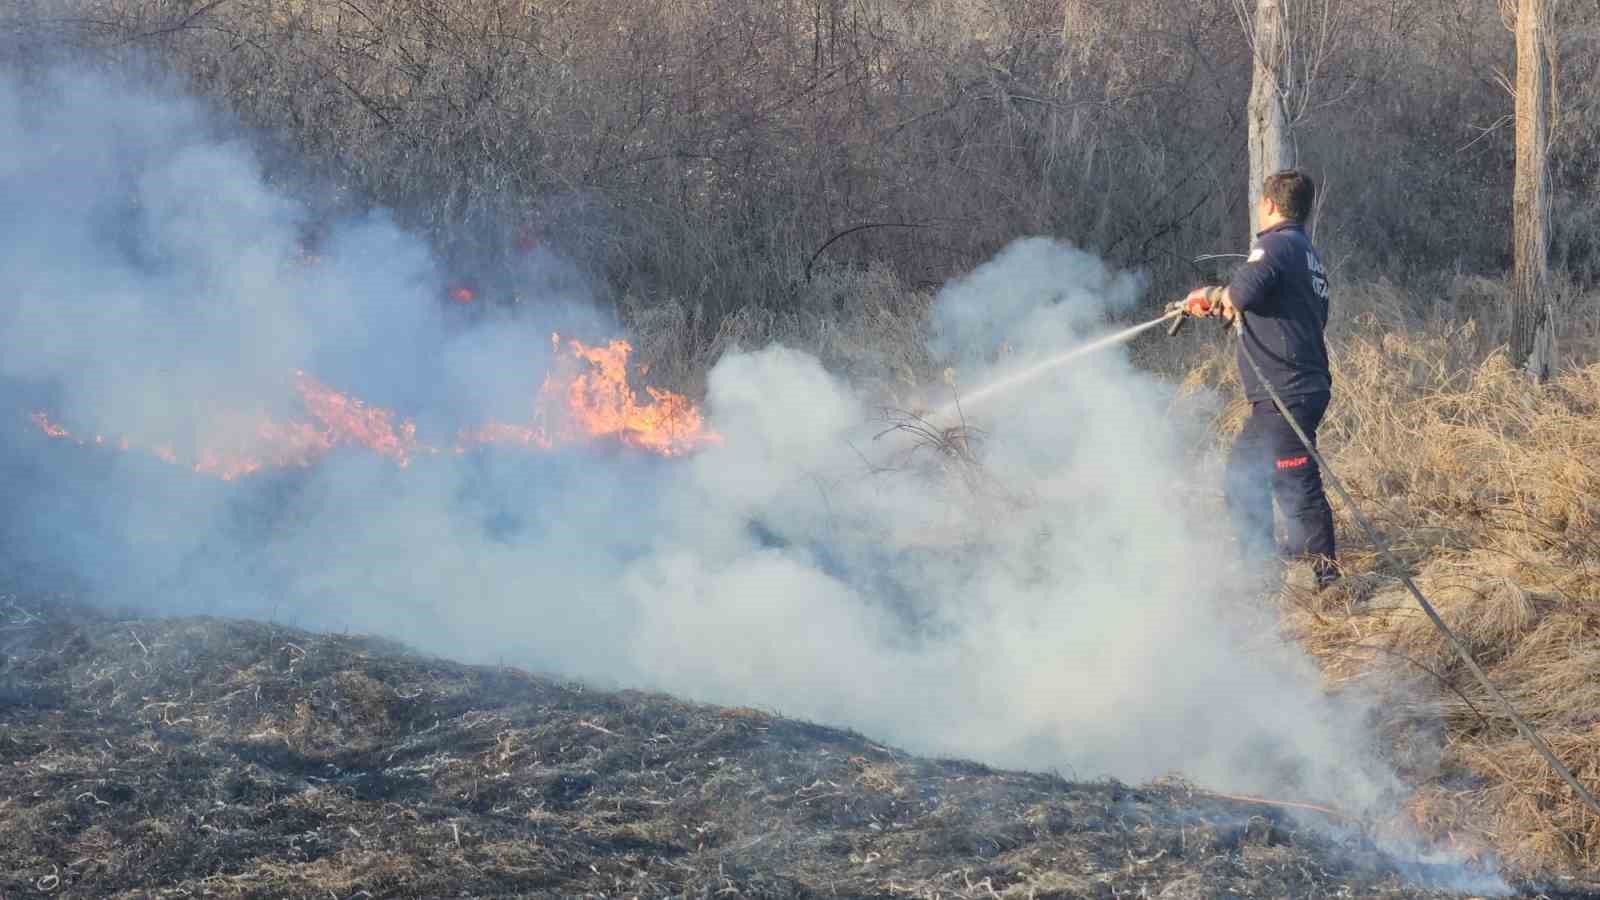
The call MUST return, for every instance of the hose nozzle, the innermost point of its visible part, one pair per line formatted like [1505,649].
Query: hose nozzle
[1179,316]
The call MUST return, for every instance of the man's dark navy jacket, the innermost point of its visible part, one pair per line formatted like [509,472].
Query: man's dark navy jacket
[1283,291]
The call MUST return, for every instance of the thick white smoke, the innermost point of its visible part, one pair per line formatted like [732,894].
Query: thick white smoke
[1064,609]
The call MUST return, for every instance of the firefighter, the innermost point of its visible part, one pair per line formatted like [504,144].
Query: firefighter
[1282,288]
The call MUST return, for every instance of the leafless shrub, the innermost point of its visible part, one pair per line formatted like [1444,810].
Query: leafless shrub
[953,442]
[721,156]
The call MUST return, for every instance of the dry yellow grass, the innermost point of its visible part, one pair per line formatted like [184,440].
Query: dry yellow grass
[1489,488]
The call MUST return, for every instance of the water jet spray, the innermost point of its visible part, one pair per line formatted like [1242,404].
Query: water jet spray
[1174,313]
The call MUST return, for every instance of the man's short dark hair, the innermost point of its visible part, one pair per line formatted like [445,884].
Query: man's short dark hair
[1292,191]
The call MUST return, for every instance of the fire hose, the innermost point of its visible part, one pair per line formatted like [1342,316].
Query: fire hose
[1527,731]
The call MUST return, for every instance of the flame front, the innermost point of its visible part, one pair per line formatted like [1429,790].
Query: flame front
[601,404]
[349,421]
[264,445]
[587,398]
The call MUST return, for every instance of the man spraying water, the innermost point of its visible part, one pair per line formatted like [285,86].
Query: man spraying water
[1283,290]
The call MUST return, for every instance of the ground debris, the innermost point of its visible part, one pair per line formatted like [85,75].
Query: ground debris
[208,757]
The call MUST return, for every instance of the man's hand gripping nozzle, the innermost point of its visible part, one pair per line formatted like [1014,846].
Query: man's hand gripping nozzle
[1201,303]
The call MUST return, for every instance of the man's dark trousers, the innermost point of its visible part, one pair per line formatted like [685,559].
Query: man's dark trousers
[1268,452]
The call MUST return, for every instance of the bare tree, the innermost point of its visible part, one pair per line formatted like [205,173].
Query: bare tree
[1271,137]
[1532,314]
[1291,43]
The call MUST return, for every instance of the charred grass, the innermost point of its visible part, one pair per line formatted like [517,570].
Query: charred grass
[206,757]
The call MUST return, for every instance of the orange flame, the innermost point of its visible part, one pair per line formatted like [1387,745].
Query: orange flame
[587,398]
[348,420]
[600,403]
[267,444]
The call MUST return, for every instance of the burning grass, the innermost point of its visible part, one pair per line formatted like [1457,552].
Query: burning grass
[1488,488]
[587,396]
[201,757]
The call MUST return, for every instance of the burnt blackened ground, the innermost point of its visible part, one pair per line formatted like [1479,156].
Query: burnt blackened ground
[206,757]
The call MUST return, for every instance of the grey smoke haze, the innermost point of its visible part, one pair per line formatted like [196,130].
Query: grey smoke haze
[1065,613]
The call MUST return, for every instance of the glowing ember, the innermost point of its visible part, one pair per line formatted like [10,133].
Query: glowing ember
[502,433]
[49,427]
[586,399]
[463,294]
[237,451]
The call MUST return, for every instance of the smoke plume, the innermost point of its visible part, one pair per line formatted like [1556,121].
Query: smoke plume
[1060,607]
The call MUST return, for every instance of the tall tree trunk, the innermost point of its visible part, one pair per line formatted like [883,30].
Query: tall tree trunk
[1271,137]
[1532,316]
